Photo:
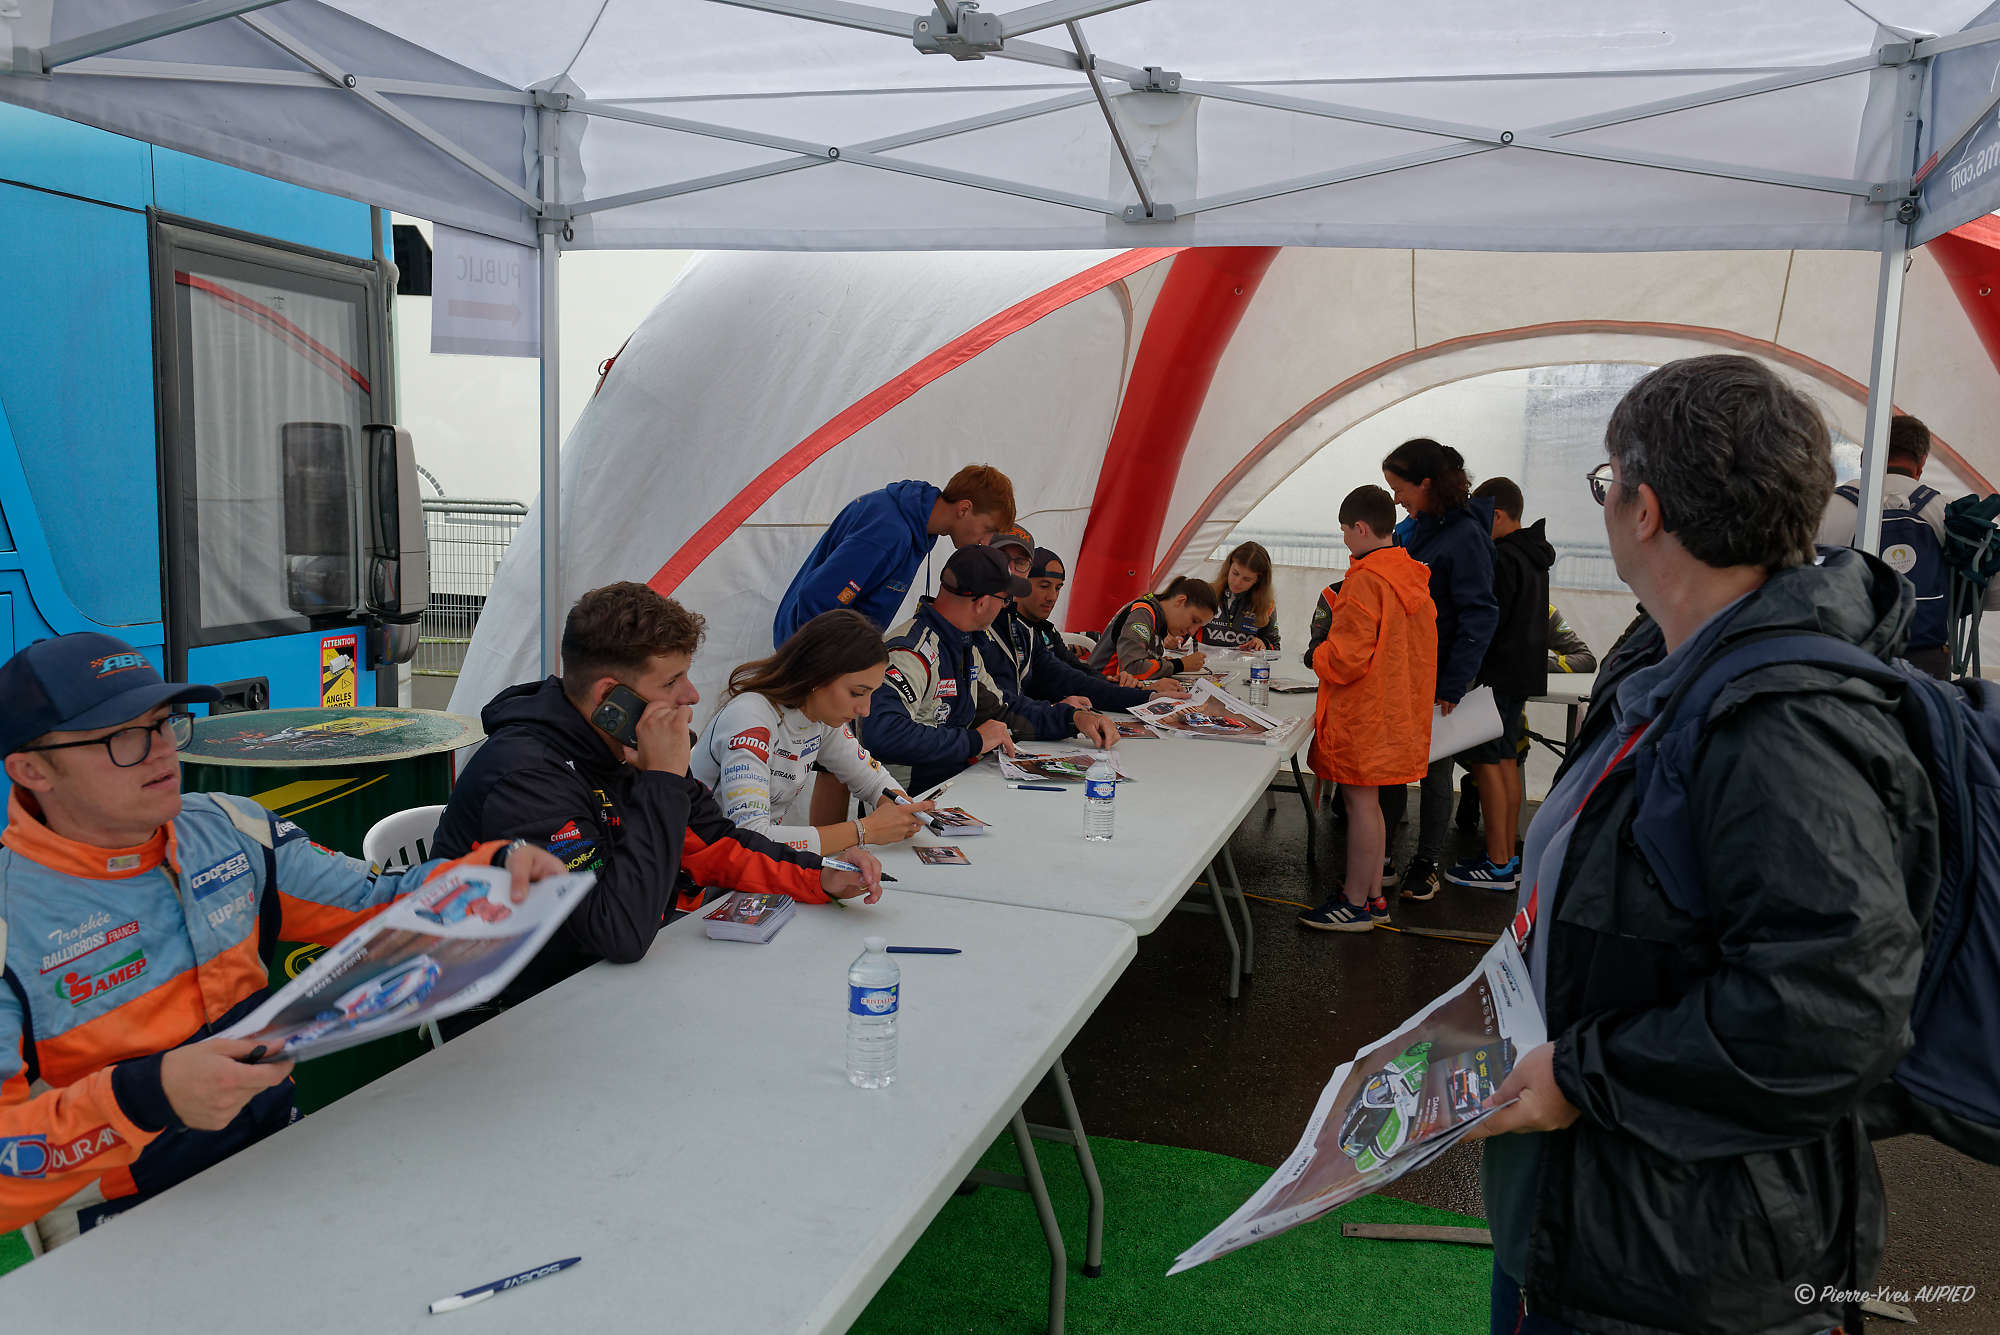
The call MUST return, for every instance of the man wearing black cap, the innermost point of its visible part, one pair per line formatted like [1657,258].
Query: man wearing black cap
[1024,663]
[936,711]
[134,925]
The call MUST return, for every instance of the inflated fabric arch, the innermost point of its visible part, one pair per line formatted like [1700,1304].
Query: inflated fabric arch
[1143,401]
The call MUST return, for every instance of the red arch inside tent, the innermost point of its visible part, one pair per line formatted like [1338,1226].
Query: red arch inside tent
[887,395]
[1183,343]
[1736,342]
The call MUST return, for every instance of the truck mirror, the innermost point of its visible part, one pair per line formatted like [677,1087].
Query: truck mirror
[399,568]
[319,535]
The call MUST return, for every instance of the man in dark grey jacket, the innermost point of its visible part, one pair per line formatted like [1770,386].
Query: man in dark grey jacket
[1688,1152]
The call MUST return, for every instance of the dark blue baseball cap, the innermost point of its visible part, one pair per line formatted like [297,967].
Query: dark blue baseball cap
[76,683]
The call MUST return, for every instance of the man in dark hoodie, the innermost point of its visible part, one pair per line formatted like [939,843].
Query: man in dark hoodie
[1517,668]
[1688,1152]
[872,550]
[653,835]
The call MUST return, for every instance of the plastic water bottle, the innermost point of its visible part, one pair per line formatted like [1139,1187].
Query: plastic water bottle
[1260,684]
[873,988]
[1100,792]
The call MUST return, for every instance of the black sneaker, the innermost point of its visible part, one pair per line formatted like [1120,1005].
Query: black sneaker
[1337,915]
[1421,880]
[1389,874]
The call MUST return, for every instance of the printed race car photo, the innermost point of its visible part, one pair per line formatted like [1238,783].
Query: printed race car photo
[1476,1074]
[402,988]
[1380,1121]
[473,899]
[1213,722]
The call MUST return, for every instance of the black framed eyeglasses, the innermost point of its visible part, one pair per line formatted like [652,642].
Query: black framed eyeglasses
[1600,480]
[130,746]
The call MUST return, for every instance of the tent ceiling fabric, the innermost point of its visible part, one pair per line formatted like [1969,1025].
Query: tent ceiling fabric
[686,418]
[818,124]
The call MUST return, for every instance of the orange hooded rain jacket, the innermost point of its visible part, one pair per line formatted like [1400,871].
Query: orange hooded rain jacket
[1377,674]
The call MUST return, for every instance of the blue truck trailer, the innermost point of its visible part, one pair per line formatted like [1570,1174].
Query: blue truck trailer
[197,450]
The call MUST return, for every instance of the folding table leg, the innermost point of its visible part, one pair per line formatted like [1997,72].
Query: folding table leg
[1299,782]
[1228,928]
[1038,1191]
[1093,1250]
[1249,928]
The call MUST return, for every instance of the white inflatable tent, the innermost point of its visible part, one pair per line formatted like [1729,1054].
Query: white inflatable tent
[830,375]
[1555,126]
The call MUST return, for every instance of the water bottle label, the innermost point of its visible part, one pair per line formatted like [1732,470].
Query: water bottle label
[872,1001]
[1262,672]
[1100,789]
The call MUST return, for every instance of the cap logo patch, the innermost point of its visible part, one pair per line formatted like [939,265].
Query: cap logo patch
[110,663]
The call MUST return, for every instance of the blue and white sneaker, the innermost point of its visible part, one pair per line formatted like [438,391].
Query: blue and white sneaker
[1484,874]
[1337,915]
[1378,909]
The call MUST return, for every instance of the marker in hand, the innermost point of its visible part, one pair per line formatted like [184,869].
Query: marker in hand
[485,1291]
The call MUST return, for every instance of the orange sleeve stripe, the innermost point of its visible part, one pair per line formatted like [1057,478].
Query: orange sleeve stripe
[76,1135]
[323,924]
[728,863]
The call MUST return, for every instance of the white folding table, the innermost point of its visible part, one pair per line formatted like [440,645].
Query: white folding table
[683,1124]
[1174,820]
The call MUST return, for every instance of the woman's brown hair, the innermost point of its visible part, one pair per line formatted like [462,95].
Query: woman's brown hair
[829,646]
[1264,593]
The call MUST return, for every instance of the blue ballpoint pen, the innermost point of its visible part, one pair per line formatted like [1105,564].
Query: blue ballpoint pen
[923,950]
[485,1291]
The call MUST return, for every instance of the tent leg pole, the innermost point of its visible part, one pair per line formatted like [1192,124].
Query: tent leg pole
[551,434]
[1881,385]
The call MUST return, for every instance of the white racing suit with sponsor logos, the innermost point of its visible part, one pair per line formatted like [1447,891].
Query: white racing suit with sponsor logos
[757,758]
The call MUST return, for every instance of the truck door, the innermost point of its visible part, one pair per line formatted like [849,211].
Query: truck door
[272,361]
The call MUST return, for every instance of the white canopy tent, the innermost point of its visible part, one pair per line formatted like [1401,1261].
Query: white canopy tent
[1557,125]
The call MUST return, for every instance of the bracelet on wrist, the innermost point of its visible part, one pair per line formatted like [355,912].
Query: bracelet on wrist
[860,835]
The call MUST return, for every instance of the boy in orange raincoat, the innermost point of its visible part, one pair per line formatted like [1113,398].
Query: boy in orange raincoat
[1377,673]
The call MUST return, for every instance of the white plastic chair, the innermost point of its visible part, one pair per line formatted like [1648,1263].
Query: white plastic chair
[403,840]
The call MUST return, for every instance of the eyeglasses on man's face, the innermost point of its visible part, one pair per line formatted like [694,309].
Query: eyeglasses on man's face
[130,746]
[1601,482]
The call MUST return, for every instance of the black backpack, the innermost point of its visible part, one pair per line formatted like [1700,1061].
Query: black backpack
[1948,1085]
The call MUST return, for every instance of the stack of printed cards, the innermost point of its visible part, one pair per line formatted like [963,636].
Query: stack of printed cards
[942,855]
[744,916]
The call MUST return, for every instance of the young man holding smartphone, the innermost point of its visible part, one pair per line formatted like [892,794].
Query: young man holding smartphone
[593,763]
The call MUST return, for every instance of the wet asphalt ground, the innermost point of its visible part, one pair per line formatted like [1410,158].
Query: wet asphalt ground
[1169,1059]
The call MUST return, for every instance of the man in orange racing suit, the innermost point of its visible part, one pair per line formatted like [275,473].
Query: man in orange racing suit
[134,925]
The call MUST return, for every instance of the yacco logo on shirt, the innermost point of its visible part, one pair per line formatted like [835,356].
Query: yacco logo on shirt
[757,741]
[80,985]
[211,879]
[31,1157]
[848,594]
[81,946]
[114,663]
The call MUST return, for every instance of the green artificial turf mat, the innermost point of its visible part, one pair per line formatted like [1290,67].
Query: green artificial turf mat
[14,1252]
[983,1265]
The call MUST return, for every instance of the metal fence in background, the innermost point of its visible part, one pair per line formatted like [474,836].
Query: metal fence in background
[467,537]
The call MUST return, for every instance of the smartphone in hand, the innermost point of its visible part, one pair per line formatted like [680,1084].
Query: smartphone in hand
[618,715]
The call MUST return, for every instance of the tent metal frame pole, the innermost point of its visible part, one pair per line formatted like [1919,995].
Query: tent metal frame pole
[1110,117]
[1928,47]
[547,153]
[1881,386]
[1889,282]
[340,78]
[181,18]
